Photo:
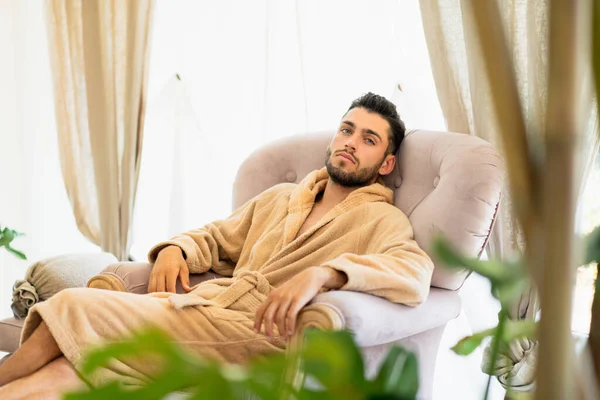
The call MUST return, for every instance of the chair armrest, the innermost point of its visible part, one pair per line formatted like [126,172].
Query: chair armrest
[375,320]
[133,277]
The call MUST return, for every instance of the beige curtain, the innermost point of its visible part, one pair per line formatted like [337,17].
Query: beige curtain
[465,100]
[99,55]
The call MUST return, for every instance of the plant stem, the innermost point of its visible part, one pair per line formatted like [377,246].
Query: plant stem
[561,140]
[594,338]
[502,318]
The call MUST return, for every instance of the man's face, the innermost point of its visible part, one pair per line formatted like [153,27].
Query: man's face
[357,154]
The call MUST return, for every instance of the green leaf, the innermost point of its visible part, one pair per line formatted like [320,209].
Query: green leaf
[16,253]
[513,330]
[592,246]
[267,376]
[509,292]
[309,394]
[467,345]
[112,390]
[152,341]
[398,376]
[176,371]
[335,361]
[213,385]
[332,358]
[508,279]
[6,236]
[387,397]
[519,329]
[495,271]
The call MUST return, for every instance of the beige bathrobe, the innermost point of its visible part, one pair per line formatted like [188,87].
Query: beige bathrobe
[256,249]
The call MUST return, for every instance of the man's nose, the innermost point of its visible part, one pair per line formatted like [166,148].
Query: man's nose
[350,144]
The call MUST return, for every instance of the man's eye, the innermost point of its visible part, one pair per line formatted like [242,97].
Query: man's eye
[345,130]
[371,141]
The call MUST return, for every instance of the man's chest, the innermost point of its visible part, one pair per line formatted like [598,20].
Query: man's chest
[275,248]
[315,215]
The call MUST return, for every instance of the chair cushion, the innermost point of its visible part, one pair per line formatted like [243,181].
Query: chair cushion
[49,276]
[446,183]
[392,321]
[10,334]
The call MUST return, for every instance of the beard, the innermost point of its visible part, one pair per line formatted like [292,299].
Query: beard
[362,177]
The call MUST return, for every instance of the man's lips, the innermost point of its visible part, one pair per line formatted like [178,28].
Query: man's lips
[347,157]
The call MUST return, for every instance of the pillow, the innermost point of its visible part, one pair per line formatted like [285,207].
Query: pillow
[47,277]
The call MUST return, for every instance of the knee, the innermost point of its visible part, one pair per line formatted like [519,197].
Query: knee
[71,294]
[61,364]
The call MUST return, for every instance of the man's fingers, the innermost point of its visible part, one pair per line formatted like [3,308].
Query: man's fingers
[171,280]
[152,284]
[259,315]
[184,277]
[291,317]
[280,318]
[269,316]
[161,283]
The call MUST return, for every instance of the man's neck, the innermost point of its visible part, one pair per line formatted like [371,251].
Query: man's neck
[335,193]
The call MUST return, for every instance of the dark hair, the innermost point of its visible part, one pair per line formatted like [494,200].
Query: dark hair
[387,110]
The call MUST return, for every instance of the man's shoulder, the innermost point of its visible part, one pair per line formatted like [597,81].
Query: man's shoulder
[276,191]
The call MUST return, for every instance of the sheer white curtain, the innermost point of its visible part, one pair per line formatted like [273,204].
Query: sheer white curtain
[99,59]
[32,195]
[255,71]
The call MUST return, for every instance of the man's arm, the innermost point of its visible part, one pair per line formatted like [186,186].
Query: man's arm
[216,242]
[215,246]
[394,266]
[283,304]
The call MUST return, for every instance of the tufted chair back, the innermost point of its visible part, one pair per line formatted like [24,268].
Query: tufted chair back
[446,183]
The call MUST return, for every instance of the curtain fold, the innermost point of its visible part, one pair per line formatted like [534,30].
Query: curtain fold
[465,99]
[99,56]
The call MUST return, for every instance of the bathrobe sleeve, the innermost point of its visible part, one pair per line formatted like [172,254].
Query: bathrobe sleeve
[217,245]
[392,266]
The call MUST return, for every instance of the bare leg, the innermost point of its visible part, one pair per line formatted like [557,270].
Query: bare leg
[37,351]
[49,382]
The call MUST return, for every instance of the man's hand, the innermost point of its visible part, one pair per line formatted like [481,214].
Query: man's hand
[169,266]
[284,303]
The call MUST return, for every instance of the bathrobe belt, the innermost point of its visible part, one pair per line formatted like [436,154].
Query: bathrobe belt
[242,283]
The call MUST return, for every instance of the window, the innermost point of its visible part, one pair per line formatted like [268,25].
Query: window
[255,71]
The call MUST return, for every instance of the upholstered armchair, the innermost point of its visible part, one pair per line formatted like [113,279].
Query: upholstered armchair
[444,182]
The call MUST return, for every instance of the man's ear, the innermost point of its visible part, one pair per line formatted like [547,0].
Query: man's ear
[388,165]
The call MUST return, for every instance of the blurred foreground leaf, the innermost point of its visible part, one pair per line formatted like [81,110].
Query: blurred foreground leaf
[512,330]
[508,279]
[592,246]
[399,375]
[331,359]
[334,361]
